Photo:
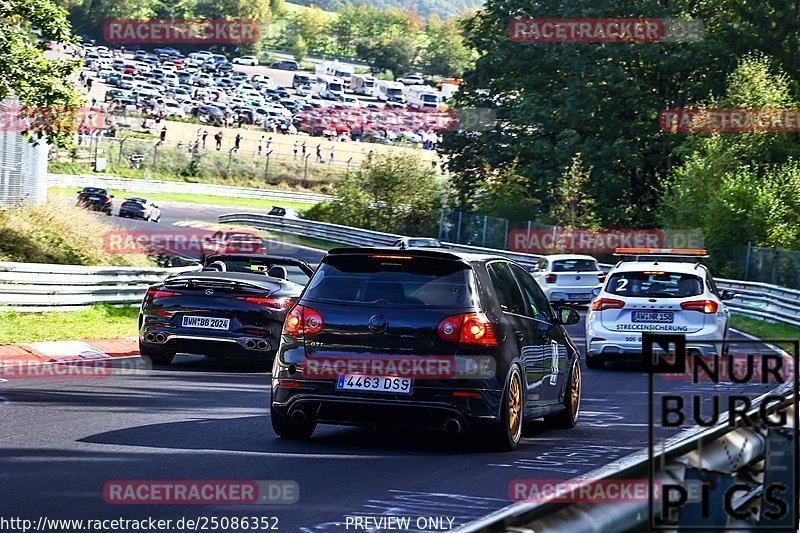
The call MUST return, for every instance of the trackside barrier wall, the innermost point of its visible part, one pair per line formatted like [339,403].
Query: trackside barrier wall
[43,287]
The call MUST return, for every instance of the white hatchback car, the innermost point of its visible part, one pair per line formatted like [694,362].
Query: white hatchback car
[652,293]
[568,278]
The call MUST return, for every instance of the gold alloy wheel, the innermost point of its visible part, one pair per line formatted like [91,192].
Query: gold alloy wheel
[514,406]
[576,389]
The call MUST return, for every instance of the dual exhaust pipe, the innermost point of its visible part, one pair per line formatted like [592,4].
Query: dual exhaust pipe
[256,344]
[158,338]
[250,344]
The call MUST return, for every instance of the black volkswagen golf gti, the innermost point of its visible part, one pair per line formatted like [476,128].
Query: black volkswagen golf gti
[424,338]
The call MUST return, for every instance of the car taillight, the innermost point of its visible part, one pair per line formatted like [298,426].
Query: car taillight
[708,307]
[107,199]
[159,292]
[467,328]
[273,303]
[301,321]
[550,278]
[601,304]
[601,277]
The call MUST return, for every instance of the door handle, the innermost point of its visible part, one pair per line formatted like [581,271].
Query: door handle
[520,335]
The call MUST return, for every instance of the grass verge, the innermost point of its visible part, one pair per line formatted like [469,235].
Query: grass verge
[98,322]
[60,233]
[119,195]
[764,329]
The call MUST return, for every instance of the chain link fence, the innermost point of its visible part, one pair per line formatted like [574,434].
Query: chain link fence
[187,159]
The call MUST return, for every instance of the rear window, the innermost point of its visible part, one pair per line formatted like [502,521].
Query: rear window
[654,284]
[94,190]
[392,281]
[424,242]
[574,265]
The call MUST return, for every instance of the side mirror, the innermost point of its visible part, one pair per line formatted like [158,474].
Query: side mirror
[567,316]
[728,295]
[596,291]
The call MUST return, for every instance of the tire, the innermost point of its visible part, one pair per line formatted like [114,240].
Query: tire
[595,363]
[568,417]
[154,356]
[283,426]
[505,435]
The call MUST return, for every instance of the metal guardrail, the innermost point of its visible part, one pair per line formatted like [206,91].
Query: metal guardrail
[755,299]
[155,186]
[696,449]
[28,287]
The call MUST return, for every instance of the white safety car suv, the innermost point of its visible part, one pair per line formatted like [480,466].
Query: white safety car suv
[654,293]
[568,278]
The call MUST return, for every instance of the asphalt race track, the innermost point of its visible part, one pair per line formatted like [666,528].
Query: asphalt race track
[208,419]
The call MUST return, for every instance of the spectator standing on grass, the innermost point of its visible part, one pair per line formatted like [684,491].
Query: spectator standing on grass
[269,144]
[218,138]
[331,155]
[304,149]
[199,133]
[261,145]
[89,83]
[237,141]
[294,147]
[163,133]
[205,134]
[319,154]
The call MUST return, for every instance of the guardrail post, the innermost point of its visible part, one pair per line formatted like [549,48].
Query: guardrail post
[266,166]
[348,164]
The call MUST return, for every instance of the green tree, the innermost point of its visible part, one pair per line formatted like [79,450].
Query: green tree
[25,72]
[396,55]
[299,48]
[446,52]
[391,193]
[310,24]
[603,100]
[504,193]
[572,207]
[736,187]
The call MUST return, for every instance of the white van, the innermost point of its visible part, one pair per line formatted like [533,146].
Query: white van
[335,69]
[363,84]
[328,88]
[423,97]
[390,91]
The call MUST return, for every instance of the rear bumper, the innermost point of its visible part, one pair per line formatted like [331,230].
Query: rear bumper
[131,214]
[628,345]
[425,407]
[234,346]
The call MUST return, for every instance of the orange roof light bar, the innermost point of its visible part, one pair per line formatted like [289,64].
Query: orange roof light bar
[661,251]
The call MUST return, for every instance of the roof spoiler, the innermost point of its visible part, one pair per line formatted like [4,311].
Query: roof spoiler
[640,253]
[395,253]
